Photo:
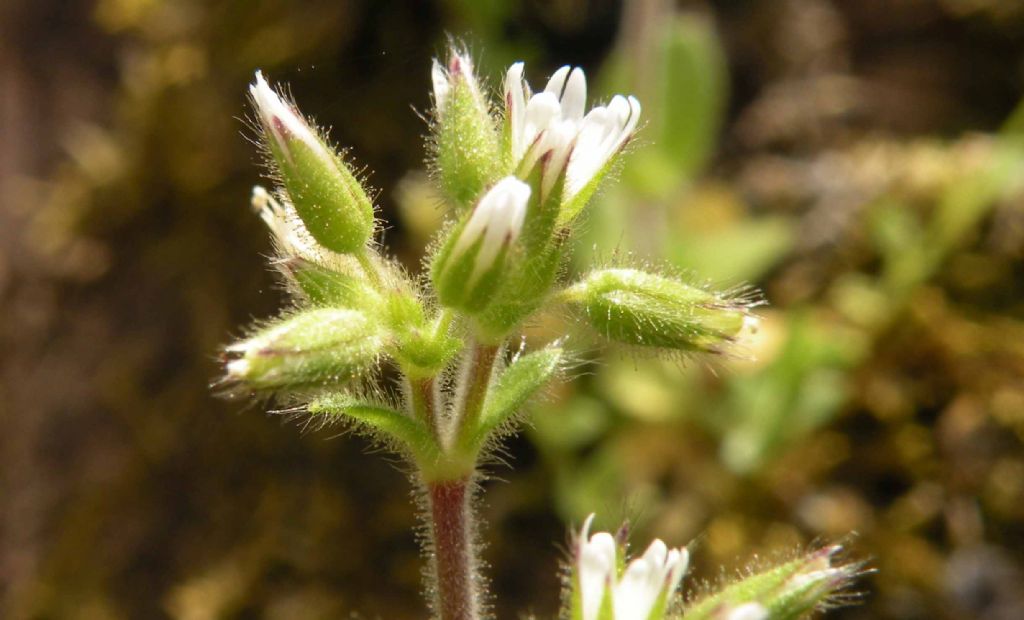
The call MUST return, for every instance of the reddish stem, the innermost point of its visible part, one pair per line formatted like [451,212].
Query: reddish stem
[454,569]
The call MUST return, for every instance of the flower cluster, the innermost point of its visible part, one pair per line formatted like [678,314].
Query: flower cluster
[515,177]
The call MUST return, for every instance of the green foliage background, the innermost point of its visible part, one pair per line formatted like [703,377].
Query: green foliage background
[861,162]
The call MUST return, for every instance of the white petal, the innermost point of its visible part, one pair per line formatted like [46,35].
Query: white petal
[637,590]
[574,99]
[498,219]
[556,84]
[279,118]
[596,570]
[540,111]
[748,611]
[442,87]
[515,107]
[604,131]
[678,563]
[558,141]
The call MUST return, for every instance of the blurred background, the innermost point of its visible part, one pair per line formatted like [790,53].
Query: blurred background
[860,161]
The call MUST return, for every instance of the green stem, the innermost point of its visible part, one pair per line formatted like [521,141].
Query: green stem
[366,262]
[477,380]
[451,530]
[421,394]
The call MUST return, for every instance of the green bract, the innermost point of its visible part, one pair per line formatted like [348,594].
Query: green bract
[323,346]
[327,196]
[648,310]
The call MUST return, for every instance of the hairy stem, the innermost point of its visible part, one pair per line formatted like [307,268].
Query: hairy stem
[366,262]
[421,395]
[477,380]
[454,559]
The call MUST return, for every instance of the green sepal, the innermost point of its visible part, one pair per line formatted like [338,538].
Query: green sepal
[326,287]
[317,347]
[467,141]
[525,289]
[517,383]
[328,198]
[396,429]
[607,610]
[648,310]
[543,211]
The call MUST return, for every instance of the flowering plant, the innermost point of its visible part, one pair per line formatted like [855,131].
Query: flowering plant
[515,182]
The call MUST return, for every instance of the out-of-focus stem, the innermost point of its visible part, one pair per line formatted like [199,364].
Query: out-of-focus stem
[454,559]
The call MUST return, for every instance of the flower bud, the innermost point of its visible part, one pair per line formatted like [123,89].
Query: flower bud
[605,587]
[788,591]
[467,145]
[314,347]
[643,309]
[326,195]
[472,263]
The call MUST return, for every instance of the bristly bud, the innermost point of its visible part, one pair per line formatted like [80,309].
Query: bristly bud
[314,273]
[786,592]
[648,310]
[550,127]
[326,195]
[323,346]
[605,587]
[471,264]
[467,148]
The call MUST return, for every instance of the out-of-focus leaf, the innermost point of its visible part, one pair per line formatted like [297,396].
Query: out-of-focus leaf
[741,252]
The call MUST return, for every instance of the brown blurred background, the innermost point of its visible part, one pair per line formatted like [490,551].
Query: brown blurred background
[861,161]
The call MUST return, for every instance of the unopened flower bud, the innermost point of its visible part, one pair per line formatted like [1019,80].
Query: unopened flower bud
[467,143]
[314,347]
[648,310]
[471,264]
[788,591]
[326,195]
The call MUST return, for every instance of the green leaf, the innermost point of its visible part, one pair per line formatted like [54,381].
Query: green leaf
[383,423]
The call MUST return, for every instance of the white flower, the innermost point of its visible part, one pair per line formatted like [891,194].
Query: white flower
[553,121]
[281,121]
[648,579]
[497,220]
